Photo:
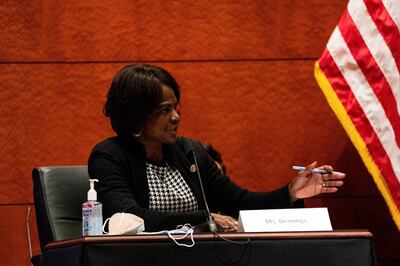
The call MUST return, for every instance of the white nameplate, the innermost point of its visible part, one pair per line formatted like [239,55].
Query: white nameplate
[284,220]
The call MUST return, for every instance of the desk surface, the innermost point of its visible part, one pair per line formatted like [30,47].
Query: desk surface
[342,247]
[358,233]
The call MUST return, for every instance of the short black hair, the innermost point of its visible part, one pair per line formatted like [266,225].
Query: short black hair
[135,92]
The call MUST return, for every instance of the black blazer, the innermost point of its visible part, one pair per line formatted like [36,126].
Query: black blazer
[120,165]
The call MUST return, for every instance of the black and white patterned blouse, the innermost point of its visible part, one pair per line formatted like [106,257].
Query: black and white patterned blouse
[168,190]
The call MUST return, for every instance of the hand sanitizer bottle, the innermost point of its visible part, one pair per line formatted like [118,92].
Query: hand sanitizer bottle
[92,213]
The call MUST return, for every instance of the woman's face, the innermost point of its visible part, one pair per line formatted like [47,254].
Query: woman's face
[162,125]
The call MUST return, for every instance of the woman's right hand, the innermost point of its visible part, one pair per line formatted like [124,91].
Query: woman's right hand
[308,184]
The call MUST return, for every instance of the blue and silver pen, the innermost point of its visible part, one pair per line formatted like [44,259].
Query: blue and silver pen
[315,170]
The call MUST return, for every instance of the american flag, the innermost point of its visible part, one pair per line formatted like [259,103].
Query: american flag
[359,73]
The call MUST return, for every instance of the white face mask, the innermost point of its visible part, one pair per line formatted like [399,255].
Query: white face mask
[124,224]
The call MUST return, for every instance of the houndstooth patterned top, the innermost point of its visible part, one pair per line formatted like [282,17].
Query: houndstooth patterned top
[168,190]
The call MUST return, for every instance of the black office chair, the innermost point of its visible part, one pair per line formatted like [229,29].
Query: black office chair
[59,192]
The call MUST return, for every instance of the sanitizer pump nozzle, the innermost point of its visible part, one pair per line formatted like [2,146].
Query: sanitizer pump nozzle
[92,213]
[92,194]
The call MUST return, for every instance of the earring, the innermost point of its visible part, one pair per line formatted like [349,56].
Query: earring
[136,135]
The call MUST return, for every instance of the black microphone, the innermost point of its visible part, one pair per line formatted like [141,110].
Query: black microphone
[212,226]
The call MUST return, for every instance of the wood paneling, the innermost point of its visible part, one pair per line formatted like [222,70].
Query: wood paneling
[49,115]
[93,30]
[14,248]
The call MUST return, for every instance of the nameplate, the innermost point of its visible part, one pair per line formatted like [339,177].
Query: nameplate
[284,220]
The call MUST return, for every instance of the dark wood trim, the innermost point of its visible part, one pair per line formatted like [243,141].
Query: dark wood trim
[356,233]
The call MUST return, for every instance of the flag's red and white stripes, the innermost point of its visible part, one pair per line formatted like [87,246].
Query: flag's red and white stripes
[359,73]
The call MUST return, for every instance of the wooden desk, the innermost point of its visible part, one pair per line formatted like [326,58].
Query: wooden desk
[344,247]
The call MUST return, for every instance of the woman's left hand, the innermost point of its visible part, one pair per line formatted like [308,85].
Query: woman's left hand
[224,221]
[308,184]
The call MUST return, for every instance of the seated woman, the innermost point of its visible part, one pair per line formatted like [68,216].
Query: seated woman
[148,171]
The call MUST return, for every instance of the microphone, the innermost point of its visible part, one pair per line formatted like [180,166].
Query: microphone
[212,226]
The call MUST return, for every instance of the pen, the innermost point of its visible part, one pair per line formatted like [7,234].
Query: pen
[315,170]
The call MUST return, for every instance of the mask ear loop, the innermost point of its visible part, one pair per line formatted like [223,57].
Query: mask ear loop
[105,223]
[140,229]
[189,232]
[104,226]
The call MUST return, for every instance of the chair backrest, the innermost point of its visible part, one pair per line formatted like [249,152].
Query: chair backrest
[59,192]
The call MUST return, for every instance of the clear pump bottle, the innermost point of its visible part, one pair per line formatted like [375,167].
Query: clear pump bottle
[92,213]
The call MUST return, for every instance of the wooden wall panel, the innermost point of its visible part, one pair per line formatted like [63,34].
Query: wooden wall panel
[93,30]
[14,248]
[50,114]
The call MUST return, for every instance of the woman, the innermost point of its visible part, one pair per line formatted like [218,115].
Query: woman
[148,171]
